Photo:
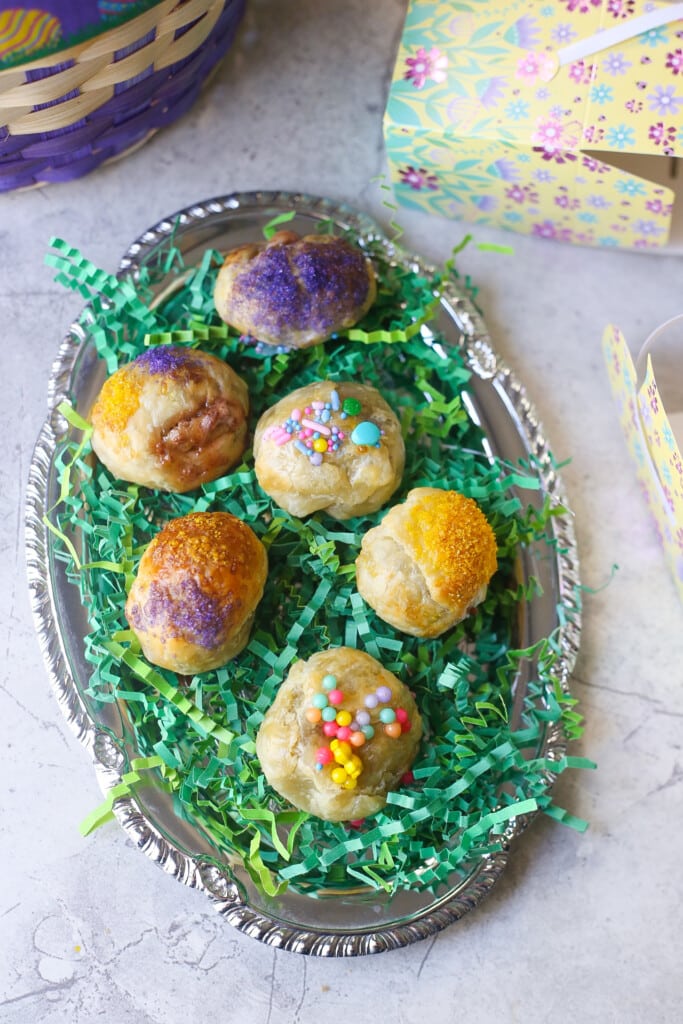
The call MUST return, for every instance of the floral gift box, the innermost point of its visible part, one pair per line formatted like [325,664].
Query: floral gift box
[556,119]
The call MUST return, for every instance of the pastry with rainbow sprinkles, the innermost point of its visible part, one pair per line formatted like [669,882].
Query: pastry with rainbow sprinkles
[329,446]
[428,563]
[294,291]
[172,419]
[341,733]
[193,601]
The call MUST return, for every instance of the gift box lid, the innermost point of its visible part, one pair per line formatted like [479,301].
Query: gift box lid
[513,72]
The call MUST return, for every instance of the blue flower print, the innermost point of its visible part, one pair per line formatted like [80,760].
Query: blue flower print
[518,110]
[512,216]
[602,94]
[629,187]
[608,240]
[621,136]
[653,37]
[587,218]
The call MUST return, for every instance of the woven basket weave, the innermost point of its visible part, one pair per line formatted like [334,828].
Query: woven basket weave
[65,114]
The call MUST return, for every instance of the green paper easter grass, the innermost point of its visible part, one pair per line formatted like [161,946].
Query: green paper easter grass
[474,772]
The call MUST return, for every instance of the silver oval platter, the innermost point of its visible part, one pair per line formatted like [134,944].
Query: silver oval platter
[338,923]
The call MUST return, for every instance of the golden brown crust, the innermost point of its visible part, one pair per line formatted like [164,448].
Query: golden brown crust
[172,419]
[193,600]
[295,291]
[353,480]
[428,562]
[287,741]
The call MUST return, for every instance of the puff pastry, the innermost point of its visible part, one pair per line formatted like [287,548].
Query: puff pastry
[335,447]
[295,291]
[304,760]
[172,419]
[428,563]
[197,587]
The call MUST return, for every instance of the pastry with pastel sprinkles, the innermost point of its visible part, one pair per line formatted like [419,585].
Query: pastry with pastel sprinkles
[329,446]
[294,291]
[197,587]
[172,419]
[428,563]
[341,733]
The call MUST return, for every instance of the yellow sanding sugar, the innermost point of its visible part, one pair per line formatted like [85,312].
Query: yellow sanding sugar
[118,400]
[451,533]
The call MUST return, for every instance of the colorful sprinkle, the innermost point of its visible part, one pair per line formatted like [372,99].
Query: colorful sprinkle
[383,694]
[393,729]
[366,433]
[329,682]
[351,406]
[388,715]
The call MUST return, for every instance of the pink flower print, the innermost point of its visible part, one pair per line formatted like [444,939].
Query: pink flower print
[652,394]
[657,206]
[581,6]
[426,64]
[664,100]
[591,164]
[548,134]
[669,497]
[635,106]
[565,202]
[522,194]
[674,62]
[547,229]
[660,135]
[679,537]
[557,156]
[621,8]
[532,66]
[419,179]
[577,71]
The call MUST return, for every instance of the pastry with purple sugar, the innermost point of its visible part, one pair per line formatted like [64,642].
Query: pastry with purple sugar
[195,594]
[172,419]
[341,734]
[294,291]
[329,446]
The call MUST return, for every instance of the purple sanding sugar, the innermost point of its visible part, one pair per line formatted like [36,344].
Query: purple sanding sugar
[163,358]
[188,612]
[309,292]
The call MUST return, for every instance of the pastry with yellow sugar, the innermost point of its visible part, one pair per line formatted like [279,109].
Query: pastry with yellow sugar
[172,419]
[193,600]
[340,734]
[428,563]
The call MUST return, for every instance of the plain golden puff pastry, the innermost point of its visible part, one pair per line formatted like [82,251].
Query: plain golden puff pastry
[339,736]
[428,563]
[172,419]
[193,600]
[295,291]
[333,447]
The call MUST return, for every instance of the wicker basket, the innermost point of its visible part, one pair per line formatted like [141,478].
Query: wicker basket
[65,114]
